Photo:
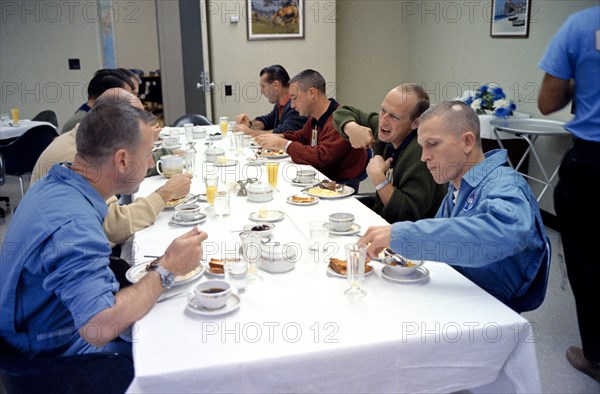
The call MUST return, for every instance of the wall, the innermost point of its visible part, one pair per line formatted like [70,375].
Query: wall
[136,36]
[451,48]
[237,61]
[36,39]
[371,51]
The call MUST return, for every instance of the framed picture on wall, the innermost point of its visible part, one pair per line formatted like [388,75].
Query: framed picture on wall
[510,18]
[275,19]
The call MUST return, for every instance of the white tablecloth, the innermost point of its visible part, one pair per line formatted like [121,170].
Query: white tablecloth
[487,132]
[7,131]
[297,332]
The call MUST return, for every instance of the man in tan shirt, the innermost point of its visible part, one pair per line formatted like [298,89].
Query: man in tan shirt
[121,221]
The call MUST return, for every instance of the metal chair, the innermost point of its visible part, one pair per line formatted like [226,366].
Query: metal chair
[195,119]
[47,116]
[21,154]
[2,180]
[101,373]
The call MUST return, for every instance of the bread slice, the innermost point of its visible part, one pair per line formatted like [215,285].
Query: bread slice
[216,266]
[340,266]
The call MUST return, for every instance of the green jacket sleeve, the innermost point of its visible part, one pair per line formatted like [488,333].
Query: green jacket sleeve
[346,113]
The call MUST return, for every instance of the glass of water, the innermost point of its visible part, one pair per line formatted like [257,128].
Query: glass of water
[236,273]
[356,254]
[221,204]
[319,234]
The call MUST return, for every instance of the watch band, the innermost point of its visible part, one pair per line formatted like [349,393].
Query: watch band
[382,185]
[285,148]
[167,279]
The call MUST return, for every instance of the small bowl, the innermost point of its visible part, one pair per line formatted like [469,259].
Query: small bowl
[261,233]
[199,132]
[341,221]
[277,259]
[212,294]
[399,269]
[259,192]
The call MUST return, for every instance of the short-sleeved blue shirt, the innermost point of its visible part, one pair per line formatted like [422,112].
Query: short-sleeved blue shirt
[54,274]
[574,52]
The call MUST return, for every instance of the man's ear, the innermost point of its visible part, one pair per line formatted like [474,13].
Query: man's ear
[120,159]
[469,141]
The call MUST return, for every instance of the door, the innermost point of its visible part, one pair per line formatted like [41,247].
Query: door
[186,87]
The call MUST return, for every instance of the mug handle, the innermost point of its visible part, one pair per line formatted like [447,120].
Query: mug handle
[158,165]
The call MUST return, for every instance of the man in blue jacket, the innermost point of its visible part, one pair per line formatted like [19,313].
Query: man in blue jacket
[488,227]
[275,86]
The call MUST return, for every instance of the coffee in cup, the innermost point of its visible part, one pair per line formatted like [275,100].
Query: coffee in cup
[187,212]
[212,294]
[169,165]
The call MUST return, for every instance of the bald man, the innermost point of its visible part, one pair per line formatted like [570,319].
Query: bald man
[121,221]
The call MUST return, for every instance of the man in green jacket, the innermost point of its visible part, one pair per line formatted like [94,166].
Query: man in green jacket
[405,188]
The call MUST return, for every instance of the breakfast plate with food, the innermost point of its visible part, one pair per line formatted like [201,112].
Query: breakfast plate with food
[137,272]
[339,269]
[173,203]
[300,199]
[329,190]
[273,154]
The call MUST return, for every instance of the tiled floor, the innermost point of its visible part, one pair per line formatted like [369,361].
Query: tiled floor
[555,321]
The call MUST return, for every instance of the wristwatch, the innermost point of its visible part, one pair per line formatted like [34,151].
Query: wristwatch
[167,279]
[382,185]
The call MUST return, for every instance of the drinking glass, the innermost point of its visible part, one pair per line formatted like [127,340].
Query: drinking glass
[272,171]
[212,182]
[355,265]
[239,141]
[15,116]
[224,125]
[251,250]
[221,204]
[236,273]
[189,131]
[318,235]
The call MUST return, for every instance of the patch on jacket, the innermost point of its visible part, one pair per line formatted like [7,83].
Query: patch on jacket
[470,201]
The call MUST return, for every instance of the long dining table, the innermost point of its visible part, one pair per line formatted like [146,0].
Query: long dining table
[298,332]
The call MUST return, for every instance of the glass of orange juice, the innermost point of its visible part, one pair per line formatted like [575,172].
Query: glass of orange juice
[272,171]
[15,115]
[224,124]
[211,181]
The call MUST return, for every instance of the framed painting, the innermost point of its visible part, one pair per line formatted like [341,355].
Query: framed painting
[510,18]
[275,19]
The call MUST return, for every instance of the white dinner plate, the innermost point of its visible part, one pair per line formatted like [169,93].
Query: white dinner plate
[315,200]
[165,132]
[202,196]
[172,147]
[331,272]
[233,303]
[254,146]
[345,192]
[214,137]
[228,163]
[420,274]
[269,216]
[190,198]
[137,272]
[199,219]
[353,230]
[274,155]
[256,161]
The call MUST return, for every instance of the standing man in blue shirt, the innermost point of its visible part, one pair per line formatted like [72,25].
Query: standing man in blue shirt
[58,295]
[488,227]
[275,86]
[572,72]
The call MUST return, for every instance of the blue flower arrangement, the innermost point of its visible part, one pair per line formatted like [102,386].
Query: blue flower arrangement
[491,98]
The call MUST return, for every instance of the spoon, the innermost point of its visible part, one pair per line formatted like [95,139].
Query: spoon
[394,260]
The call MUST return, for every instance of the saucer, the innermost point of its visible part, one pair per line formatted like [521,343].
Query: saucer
[420,274]
[202,196]
[331,272]
[353,230]
[228,163]
[198,219]
[214,274]
[172,147]
[269,216]
[295,182]
[232,304]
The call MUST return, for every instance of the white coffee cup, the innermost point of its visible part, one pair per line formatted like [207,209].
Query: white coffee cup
[169,165]
[187,212]
[341,221]
[305,176]
[212,294]
[199,132]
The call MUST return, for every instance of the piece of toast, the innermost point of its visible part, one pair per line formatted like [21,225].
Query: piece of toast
[340,267]
[216,266]
[301,199]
